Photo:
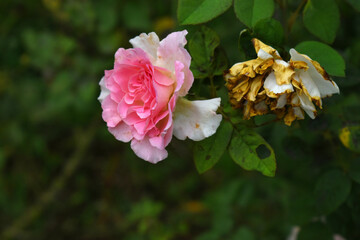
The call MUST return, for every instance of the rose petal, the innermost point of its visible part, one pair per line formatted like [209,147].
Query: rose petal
[110,113]
[298,112]
[147,42]
[307,105]
[272,88]
[172,49]
[281,101]
[146,151]
[263,55]
[163,140]
[163,77]
[308,84]
[132,56]
[326,87]
[283,72]
[196,119]
[121,132]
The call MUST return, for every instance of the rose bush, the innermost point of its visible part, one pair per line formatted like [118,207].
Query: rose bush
[142,97]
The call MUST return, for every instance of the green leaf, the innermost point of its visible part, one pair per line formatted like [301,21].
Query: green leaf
[355,4]
[328,58]
[354,170]
[350,137]
[250,12]
[322,18]
[202,46]
[331,191]
[207,58]
[200,11]
[252,152]
[269,31]
[220,63]
[209,151]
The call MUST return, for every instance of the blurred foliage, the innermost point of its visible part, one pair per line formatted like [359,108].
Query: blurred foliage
[53,54]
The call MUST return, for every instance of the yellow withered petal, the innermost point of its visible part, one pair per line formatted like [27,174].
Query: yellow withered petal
[293,114]
[295,101]
[255,86]
[307,105]
[283,72]
[260,45]
[261,65]
[299,65]
[281,101]
[252,109]
[244,68]
[240,90]
[273,89]
[320,69]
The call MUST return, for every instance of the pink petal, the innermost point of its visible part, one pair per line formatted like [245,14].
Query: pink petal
[110,114]
[179,67]
[188,82]
[132,56]
[123,74]
[163,94]
[121,132]
[172,49]
[163,77]
[143,149]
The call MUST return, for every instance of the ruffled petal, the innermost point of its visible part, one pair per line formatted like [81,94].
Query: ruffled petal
[196,119]
[307,105]
[326,86]
[143,149]
[147,42]
[283,72]
[273,89]
[309,86]
[263,55]
[281,101]
[132,56]
[170,51]
[110,113]
[121,132]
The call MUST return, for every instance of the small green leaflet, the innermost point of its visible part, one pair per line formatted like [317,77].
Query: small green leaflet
[250,12]
[322,18]
[200,11]
[269,31]
[209,151]
[207,58]
[252,152]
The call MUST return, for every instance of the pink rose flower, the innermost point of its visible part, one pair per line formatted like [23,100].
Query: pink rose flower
[142,97]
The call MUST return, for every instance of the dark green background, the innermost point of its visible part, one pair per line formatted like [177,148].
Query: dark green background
[63,176]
